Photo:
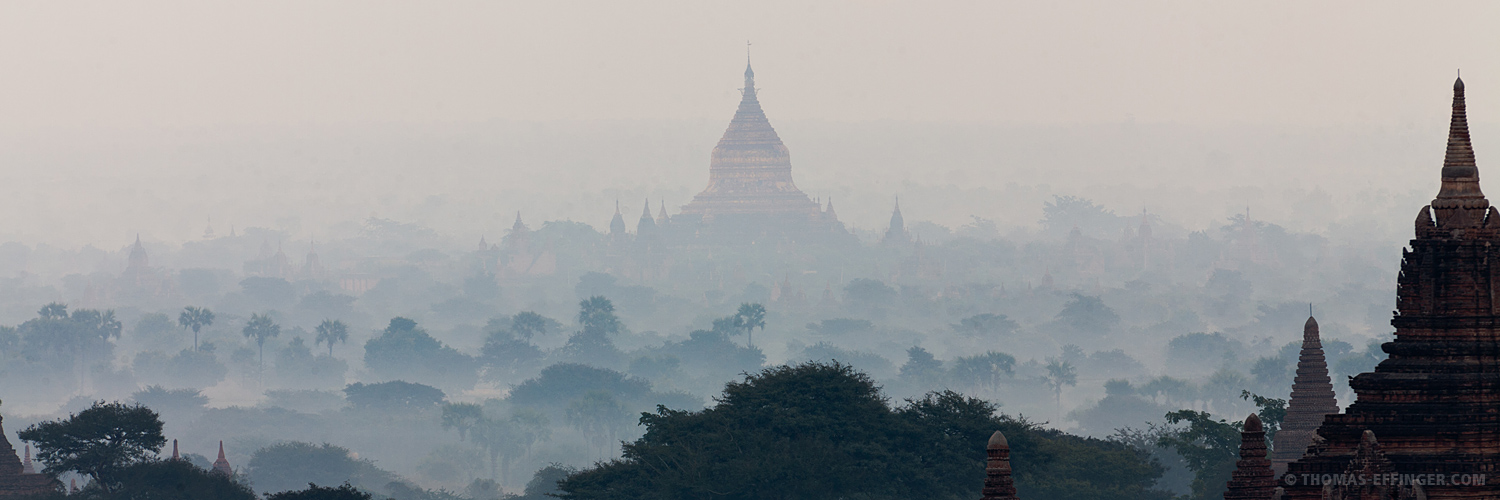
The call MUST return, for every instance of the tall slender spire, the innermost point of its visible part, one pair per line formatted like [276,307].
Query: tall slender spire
[1312,398]
[222,464]
[26,466]
[1252,478]
[1460,173]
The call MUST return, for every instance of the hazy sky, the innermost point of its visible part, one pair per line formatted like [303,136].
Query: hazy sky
[147,63]
[125,117]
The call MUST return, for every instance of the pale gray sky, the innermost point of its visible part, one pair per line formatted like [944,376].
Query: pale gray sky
[150,63]
[145,116]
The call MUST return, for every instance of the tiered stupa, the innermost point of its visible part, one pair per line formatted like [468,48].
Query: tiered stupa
[1433,401]
[998,484]
[1252,478]
[750,188]
[1312,398]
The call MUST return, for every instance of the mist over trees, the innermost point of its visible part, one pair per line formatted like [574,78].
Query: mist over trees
[403,361]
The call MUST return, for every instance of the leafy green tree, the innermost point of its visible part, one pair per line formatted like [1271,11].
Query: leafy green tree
[315,492]
[170,480]
[497,437]
[296,366]
[260,328]
[286,466]
[826,431]
[750,317]
[393,395]
[921,367]
[407,352]
[172,402]
[983,370]
[97,442]
[461,417]
[986,324]
[1272,412]
[195,318]
[330,331]
[598,416]
[1209,447]
[561,384]
[1087,314]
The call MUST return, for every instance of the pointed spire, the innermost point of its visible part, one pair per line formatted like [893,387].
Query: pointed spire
[661,218]
[998,484]
[1312,399]
[1460,194]
[1252,478]
[646,210]
[175,456]
[26,466]
[222,465]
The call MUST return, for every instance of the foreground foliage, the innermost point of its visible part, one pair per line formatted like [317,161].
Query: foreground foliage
[816,431]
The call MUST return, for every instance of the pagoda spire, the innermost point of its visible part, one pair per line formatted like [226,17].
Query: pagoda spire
[1460,173]
[222,464]
[1460,203]
[1252,478]
[1312,398]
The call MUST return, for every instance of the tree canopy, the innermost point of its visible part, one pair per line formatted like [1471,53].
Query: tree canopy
[815,430]
[98,442]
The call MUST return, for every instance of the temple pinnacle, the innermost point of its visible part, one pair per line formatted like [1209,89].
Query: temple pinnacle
[1460,173]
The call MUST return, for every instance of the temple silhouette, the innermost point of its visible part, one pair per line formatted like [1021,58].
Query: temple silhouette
[750,193]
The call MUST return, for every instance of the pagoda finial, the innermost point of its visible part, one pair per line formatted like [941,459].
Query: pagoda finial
[1460,173]
[175,456]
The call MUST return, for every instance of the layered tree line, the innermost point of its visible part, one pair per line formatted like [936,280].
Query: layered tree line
[816,430]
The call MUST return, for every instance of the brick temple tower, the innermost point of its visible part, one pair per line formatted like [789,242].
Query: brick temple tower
[1252,478]
[1432,402]
[998,484]
[1312,398]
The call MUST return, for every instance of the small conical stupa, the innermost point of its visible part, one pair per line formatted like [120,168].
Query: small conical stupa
[1312,398]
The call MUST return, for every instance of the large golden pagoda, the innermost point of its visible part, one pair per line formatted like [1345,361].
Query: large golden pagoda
[750,176]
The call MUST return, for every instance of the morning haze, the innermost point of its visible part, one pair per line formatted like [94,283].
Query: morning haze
[458,249]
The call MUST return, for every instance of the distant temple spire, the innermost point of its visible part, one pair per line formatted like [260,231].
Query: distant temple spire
[750,176]
[1252,478]
[617,224]
[647,224]
[222,464]
[998,484]
[1312,398]
[175,456]
[661,218]
[26,466]
[896,233]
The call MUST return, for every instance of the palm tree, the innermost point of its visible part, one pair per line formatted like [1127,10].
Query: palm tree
[330,331]
[462,416]
[1060,373]
[195,318]
[260,328]
[528,324]
[750,317]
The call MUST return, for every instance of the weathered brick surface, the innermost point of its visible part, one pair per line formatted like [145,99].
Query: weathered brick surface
[1311,399]
[1252,478]
[1433,402]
